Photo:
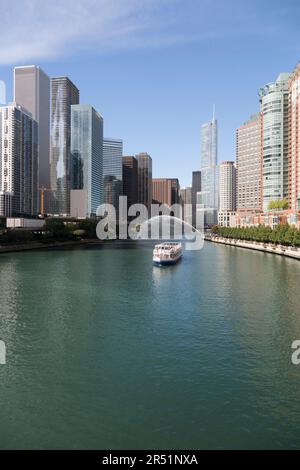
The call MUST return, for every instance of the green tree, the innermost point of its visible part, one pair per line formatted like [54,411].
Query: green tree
[89,226]
[57,229]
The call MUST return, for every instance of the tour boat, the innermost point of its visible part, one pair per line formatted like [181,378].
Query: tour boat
[167,253]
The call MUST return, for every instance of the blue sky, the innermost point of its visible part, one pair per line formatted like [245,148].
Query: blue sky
[154,68]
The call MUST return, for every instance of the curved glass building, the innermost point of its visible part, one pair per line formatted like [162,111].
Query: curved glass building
[64,94]
[274,99]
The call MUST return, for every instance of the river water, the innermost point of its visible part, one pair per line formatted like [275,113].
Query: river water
[106,351]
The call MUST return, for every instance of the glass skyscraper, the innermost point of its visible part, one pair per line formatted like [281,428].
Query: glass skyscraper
[130,180]
[274,99]
[209,195]
[112,170]
[64,94]
[144,179]
[87,155]
[196,188]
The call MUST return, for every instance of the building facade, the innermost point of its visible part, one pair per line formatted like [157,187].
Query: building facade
[209,172]
[165,191]
[64,94]
[32,92]
[249,165]
[274,100]
[294,147]
[186,202]
[130,180]
[227,186]
[18,162]
[227,193]
[86,158]
[112,170]
[144,179]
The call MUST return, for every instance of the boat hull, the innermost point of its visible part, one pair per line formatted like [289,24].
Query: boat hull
[166,262]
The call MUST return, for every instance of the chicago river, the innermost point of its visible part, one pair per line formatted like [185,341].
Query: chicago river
[107,351]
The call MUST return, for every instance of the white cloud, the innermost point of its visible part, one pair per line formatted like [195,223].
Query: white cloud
[35,29]
[46,29]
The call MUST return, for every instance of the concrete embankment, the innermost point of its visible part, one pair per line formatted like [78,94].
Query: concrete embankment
[281,250]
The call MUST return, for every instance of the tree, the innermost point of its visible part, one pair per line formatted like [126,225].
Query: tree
[57,229]
[278,204]
[16,236]
[282,234]
[89,226]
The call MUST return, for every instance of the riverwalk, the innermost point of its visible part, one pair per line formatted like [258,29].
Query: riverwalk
[281,250]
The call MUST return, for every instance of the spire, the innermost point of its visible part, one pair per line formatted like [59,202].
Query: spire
[214,112]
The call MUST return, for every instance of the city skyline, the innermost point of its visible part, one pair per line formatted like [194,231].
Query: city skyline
[148,77]
[273,162]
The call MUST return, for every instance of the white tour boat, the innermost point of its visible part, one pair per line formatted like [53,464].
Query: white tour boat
[167,253]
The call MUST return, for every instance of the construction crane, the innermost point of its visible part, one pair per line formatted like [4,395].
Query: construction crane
[42,200]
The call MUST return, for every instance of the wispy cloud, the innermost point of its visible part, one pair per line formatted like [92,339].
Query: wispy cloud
[44,30]
[32,29]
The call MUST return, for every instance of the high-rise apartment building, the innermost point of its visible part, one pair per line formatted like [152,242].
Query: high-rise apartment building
[130,180]
[185,195]
[112,170]
[144,179]
[294,145]
[249,164]
[196,188]
[18,162]
[227,187]
[86,159]
[274,99]
[64,94]
[165,191]
[227,193]
[209,171]
[32,92]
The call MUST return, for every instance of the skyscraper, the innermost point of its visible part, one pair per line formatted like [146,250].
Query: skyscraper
[165,191]
[186,201]
[86,158]
[209,171]
[274,99]
[227,193]
[294,146]
[144,179]
[18,162]
[64,94]
[112,170]
[248,161]
[32,92]
[130,180]
[196,188]
[227,186]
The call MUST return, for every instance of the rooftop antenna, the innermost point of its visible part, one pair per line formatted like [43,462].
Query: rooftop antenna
[214,111]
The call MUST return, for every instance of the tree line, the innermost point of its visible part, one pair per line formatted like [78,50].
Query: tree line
[54,230]
[283,234]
